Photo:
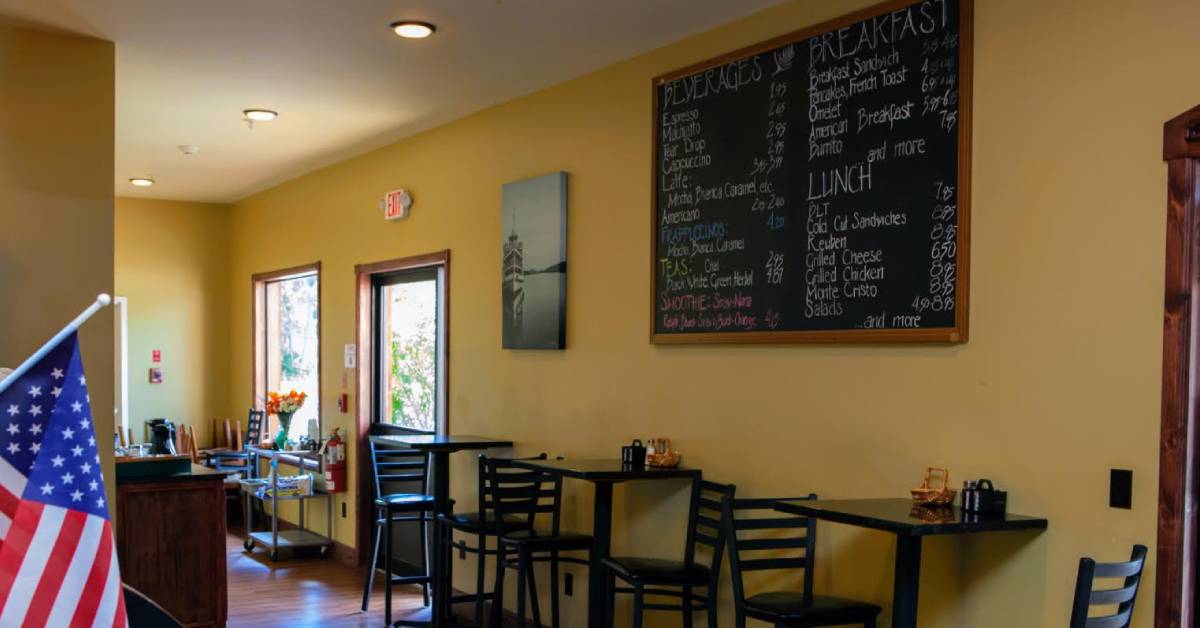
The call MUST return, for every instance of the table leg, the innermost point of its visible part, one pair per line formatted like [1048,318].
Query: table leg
[908,578]
[440,570]
[601,545]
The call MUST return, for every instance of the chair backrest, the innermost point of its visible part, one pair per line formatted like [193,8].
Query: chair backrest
[484,482]
[511,491]
[395,465]
[254,426]
[1123,596]
[706,531]
[142,612]
[788,542]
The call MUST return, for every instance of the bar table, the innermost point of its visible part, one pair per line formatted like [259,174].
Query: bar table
[910,525]
[603,473]
[439,447]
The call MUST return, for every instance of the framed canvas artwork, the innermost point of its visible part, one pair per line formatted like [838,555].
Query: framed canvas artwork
[533,275]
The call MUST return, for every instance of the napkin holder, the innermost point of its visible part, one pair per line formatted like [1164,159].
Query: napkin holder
[634,454]
[982,498]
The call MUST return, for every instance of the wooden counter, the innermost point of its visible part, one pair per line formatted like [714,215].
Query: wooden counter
[171,542]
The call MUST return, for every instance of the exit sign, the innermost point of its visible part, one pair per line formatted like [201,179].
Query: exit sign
[396,204]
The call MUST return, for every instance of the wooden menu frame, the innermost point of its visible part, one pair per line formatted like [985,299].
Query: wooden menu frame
[956,334]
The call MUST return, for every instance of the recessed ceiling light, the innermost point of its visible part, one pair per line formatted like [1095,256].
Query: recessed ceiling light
[260,115]
[141,182]
[413,30]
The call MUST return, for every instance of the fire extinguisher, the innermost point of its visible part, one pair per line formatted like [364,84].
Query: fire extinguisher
[335,463]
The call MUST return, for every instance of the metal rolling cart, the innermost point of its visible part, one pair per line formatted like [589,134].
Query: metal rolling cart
[275,539]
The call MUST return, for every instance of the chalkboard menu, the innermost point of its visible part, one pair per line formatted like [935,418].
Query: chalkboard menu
[814,188]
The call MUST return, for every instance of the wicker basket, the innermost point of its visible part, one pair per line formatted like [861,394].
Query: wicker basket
[664,460]
[664,457]
[928,496]
[933,514]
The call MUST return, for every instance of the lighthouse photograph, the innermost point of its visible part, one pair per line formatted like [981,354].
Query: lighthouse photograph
[534,262]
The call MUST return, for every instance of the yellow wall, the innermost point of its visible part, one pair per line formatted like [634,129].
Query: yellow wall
[1059,382]
[172,264]
[56,201]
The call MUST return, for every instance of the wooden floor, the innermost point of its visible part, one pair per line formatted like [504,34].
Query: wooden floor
[302,591]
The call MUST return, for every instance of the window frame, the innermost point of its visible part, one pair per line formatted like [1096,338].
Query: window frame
[364,378]
[258,335]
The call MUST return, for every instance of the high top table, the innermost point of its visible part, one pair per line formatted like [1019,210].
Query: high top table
[439,447]
[910,526]
[604,473]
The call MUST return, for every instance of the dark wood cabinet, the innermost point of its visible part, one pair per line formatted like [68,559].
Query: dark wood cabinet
[171,543]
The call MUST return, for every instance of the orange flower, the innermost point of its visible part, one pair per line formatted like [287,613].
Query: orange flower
[289,403]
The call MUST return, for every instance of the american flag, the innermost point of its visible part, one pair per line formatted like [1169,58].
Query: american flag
[58,562]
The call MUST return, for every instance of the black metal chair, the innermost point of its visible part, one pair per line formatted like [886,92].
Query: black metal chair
[1122,597]
[679,578]
[399,466]
[786,551]
[143,612]
[243,460]
[524,495]
[481,527]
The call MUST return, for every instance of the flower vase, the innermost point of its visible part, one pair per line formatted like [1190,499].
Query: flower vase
[285,423]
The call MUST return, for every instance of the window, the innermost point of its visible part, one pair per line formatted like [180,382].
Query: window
[287,339]
[407,343]
[407,339]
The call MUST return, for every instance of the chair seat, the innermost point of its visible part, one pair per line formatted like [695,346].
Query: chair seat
[405,501]
[657,570]
[793,606]
[537,539]
[469,521]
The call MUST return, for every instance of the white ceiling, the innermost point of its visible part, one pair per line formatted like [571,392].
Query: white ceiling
[342,82]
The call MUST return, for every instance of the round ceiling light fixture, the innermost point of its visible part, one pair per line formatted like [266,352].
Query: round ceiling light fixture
[409,29]
[260,115]
[141,182]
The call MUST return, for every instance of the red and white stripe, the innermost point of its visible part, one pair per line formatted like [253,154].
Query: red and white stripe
[12,486]
[58,567]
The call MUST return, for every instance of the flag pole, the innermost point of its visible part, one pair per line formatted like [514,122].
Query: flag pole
[102,301]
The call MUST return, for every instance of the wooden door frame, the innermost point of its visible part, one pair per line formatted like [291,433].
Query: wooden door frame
[1177,478]
[365,360]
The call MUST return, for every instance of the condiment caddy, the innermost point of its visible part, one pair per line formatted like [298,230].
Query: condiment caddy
[660,454]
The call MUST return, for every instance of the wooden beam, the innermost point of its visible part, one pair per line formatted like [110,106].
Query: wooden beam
[1177,495]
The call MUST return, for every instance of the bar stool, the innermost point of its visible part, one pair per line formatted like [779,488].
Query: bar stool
[524,494]
[482,527]
[396,465]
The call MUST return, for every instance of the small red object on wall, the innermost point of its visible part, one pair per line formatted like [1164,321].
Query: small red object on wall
[156,356]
